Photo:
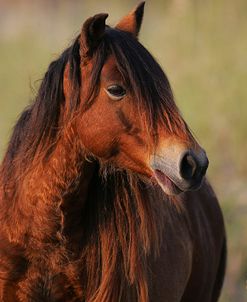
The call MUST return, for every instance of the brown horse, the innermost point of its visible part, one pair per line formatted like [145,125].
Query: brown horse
[97,199]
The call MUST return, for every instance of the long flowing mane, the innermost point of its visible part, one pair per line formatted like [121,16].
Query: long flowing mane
[121,219]
[38,126]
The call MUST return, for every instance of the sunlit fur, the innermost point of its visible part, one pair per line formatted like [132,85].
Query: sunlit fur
[73,227]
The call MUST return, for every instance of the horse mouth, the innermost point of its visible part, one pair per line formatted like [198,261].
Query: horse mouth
[166,183]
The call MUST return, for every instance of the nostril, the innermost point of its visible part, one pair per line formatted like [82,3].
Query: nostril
[188,166]
[205,167]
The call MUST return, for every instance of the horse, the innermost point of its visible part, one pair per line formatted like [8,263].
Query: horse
[103,195]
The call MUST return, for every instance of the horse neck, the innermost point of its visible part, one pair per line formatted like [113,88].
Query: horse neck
[51,193]
[53,206]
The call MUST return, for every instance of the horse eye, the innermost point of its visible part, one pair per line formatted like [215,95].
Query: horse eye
[116,92]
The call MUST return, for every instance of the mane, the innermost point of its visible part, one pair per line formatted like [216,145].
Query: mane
[124,221]
[122,217]
[37,129]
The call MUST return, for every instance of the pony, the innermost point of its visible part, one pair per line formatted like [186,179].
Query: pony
[103,195]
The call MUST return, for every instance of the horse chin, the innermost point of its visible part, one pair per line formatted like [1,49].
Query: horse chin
[167,185]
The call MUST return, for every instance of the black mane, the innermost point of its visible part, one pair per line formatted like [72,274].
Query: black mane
[38,126]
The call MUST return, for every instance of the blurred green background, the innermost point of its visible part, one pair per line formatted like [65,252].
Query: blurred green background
[202,46]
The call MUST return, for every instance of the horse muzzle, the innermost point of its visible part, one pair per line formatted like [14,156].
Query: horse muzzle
[179,170]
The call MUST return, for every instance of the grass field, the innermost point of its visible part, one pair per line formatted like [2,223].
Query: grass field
[202,45]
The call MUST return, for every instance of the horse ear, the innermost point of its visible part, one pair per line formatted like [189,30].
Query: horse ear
[132,22]
[92,32]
